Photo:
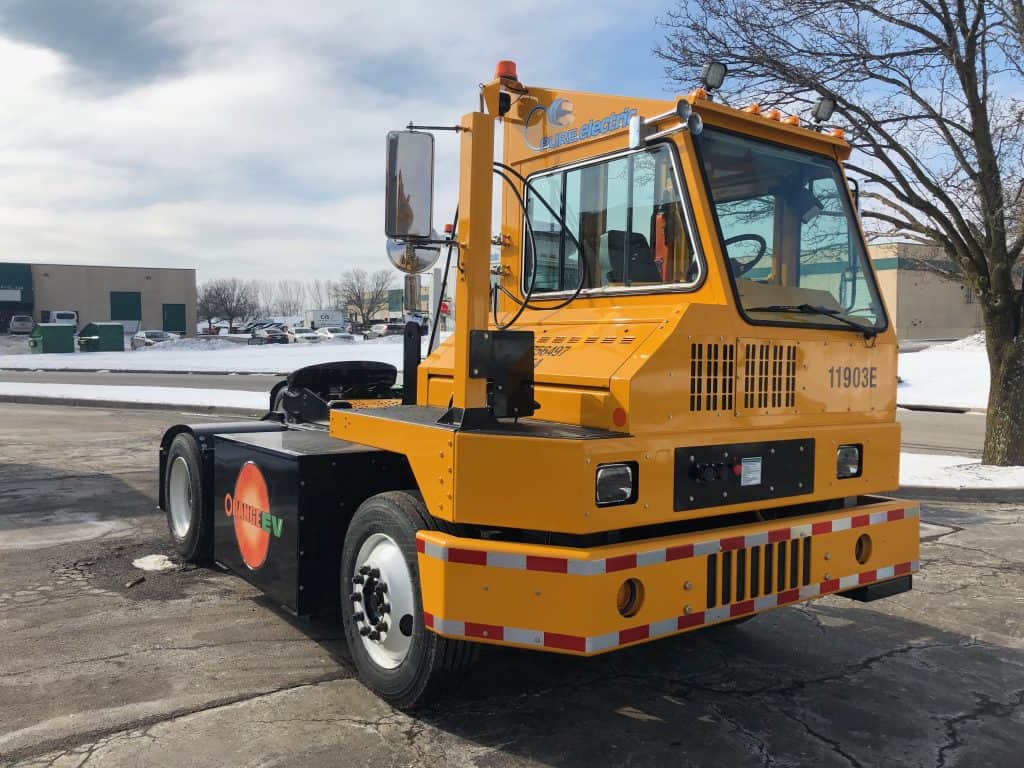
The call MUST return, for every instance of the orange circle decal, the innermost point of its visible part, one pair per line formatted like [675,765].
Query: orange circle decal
[250,506]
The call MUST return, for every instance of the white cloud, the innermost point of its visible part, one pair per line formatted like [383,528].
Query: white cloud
[264,146]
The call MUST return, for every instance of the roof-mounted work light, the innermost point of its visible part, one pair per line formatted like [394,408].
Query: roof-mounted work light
[712,75]
[823,109]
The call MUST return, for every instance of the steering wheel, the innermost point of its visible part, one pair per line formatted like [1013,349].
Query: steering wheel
[740,268]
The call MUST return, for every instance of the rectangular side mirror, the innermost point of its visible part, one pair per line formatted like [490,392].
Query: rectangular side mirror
[409,197]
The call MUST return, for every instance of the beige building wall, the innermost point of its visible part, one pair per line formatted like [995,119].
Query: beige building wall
[923,304]
[87,289]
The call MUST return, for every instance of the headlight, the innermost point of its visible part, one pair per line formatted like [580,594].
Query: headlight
[848,461]
[616,484]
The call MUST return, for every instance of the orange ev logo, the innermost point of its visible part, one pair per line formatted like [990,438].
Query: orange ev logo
[250,507]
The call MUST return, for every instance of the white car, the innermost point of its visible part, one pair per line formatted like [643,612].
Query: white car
[64,317]
[21,324]
[302,335]
[149,338]
[334,333]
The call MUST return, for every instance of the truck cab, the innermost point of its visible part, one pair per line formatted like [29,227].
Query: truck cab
[670,404]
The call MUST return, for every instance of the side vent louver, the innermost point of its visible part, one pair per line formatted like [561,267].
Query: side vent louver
[769,375]
[712,377]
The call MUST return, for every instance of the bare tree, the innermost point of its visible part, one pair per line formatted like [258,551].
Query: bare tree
[206,305]
[290,297]
[924,89]
[363,294]
[232,299]
[319,293]
[267,293]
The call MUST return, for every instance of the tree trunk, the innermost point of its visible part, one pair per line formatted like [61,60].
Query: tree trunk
[1004,425]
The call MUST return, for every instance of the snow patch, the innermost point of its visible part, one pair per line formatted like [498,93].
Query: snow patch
[172,396]
[155,563]
[954,375]
[233,358]
[940,471]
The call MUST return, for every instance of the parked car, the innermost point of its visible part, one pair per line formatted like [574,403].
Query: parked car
[303,335]
[334,333]
[63,317]
[149,338]
[377,330]
[21,324]
[271,335]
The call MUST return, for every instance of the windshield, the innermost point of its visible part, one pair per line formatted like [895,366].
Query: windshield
[794,250]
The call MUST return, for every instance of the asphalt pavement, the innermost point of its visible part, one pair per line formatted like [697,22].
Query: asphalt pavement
[195,667]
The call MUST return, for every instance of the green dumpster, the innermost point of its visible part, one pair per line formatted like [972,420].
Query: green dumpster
[52,337]
[101,337]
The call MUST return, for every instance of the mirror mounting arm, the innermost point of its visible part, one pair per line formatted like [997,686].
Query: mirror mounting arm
[456,128]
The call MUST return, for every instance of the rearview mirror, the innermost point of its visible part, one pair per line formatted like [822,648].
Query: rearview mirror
[409,203]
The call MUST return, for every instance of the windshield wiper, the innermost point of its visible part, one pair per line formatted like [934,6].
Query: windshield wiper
[810,309]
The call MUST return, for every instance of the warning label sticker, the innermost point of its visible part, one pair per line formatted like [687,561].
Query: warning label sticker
[751,471]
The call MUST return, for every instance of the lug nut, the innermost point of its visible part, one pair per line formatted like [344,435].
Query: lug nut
[355,597]
[364,570]
[386,608]
[375,573]
[382,627]
[383,587]
[364,631]
[375,635]
[357,579]
[358,616]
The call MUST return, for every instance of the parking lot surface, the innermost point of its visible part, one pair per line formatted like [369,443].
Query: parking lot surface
[195,667]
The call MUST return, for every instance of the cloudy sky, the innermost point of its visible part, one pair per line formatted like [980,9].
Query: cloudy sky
[245,137]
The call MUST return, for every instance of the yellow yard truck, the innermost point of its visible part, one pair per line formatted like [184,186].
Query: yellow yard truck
[668,402]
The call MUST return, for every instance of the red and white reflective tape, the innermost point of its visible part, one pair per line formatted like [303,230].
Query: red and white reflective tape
[582,567]
[580,644]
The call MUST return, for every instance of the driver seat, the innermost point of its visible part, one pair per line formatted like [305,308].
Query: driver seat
[612,253]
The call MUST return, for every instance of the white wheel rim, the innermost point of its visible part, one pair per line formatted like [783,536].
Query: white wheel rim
[179,497]
[382,600]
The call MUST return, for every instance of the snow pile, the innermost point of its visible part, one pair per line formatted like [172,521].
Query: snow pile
[14,345]
[957,472]
[968,344]
[199,343]
[172,396]
[953,375]
[155,563]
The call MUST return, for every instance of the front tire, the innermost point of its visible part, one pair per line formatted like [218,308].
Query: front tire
[382,609]
[190,526]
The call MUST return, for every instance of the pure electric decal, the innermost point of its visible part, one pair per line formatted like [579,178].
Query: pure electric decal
[560,115]
[254,523]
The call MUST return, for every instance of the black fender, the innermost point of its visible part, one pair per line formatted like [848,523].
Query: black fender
[203,433]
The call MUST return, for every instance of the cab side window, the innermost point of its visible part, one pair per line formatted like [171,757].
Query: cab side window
[626,215]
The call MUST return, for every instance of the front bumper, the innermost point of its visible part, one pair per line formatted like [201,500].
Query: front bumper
[564,599]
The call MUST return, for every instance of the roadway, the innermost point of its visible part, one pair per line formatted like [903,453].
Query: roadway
[923,432]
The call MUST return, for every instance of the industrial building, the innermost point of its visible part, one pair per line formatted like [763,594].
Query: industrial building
[922,303]
[140,297]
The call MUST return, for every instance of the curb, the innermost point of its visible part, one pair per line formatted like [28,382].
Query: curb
[127,405]
[939,408]
[983,495]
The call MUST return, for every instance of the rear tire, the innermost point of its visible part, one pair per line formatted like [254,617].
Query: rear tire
[190,525]
[404,663]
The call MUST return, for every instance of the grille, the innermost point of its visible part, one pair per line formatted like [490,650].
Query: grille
[769,375]
[712,377]
[743,574]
